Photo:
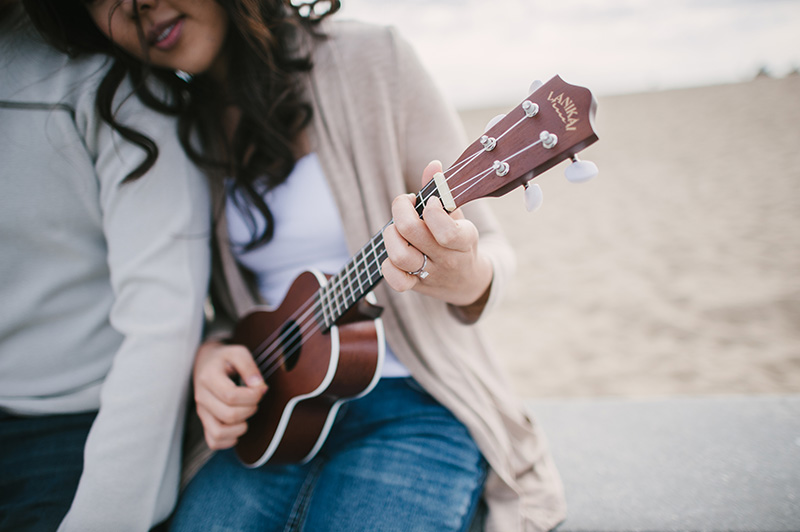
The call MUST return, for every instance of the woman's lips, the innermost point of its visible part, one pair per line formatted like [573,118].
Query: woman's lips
[166,35]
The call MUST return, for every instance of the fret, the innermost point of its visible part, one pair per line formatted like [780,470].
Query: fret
[368,270]
[341,285]
[381,251]
[319,310]
[425,194]
[374,253]
[354,281]
[373,267]
[337,296]
[344,283]
[331,300]
[333,297]
[350,266]
[322,298]
[419,206]
[359,272]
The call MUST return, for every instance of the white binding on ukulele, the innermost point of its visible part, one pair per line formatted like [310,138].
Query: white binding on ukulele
[290,406]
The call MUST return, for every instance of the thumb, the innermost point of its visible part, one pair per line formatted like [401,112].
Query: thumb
[427,174]
[242,363]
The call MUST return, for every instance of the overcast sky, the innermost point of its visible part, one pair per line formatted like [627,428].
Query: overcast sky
[486,52]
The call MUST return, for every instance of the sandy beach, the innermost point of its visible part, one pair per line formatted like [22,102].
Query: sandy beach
[677,270]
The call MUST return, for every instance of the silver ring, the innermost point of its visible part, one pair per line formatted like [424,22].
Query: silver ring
[421,273]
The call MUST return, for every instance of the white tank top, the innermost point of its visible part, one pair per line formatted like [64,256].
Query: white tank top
[308,234]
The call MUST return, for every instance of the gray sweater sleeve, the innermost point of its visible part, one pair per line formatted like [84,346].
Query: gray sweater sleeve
[156,230]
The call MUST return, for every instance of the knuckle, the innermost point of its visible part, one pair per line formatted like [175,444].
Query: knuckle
[212,434]
[407,257]
[215,445]
[404,226]
[449,240]
[235,353]
[449,237]
[239,351]
[228,396]
[228,417]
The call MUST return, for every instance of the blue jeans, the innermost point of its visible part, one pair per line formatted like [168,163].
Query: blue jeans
[41,459]
[395,460]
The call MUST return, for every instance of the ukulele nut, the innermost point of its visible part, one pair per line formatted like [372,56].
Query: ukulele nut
[500,168]
[549,140]
[531,109]
[488,143]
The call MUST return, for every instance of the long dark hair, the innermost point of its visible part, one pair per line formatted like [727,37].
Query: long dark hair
[264,85]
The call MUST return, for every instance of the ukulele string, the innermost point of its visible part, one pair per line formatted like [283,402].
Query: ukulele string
[298,333]
[306,329]
[480,176]
[304,315]
[272,352]
[269,346]
[265,349]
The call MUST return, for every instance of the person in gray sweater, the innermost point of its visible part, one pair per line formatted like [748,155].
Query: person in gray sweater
[103,276]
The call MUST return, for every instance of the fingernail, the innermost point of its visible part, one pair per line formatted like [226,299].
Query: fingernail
[255,381]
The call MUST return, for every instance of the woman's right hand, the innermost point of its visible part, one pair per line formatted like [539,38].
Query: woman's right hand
[222,405]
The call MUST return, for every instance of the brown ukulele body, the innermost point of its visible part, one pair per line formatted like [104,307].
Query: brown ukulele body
[310,372]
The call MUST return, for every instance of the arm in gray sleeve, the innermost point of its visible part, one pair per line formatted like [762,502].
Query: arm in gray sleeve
[157,233]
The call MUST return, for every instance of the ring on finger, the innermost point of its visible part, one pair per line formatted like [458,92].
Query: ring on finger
[421,273]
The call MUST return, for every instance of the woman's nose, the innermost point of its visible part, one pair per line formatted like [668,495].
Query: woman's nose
[139,6]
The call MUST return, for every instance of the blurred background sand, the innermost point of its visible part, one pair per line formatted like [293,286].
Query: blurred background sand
[677,270]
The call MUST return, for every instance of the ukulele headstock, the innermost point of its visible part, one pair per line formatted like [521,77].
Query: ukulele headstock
[552,124]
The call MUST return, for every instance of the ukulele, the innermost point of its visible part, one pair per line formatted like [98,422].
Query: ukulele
[323,345]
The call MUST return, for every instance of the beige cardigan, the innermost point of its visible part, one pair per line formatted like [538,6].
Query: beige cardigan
[378,120]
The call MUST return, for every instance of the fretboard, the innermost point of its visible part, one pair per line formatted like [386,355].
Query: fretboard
[361,274]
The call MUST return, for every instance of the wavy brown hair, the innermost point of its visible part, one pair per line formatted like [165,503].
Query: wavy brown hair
[263,84]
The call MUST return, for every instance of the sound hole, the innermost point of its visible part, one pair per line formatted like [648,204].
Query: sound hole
[290,344]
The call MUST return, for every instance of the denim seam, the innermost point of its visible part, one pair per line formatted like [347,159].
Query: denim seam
[300,507]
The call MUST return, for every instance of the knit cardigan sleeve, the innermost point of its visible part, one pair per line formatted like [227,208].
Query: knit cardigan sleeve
[380,118]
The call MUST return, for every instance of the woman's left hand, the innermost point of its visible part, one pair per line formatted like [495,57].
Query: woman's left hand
[458,273]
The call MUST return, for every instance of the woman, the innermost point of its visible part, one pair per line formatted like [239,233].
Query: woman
[105,268]
[314,134]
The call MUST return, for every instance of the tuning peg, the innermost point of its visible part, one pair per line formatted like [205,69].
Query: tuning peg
[535,85]
[580,171]
[492,122]
[533,197]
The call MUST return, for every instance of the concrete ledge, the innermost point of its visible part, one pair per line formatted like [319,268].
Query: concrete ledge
[677,464]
